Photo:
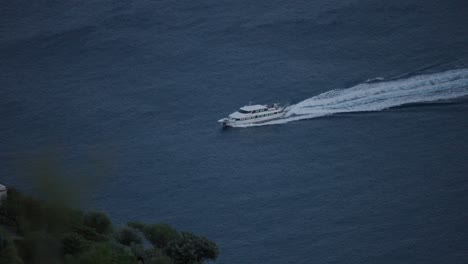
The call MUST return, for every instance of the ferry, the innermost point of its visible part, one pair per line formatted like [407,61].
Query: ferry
[253,114]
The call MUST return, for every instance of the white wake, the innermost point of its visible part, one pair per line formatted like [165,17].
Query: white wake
[378,96]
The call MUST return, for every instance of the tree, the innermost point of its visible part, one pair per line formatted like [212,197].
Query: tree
[191,249]
[160,234]
[127,236]
[161,260]
[74,244]
[99,222]
[61,219]
[137,225]
[55,234]
[8,252]
[106,254]
[26,213]
[150,255]
[39,247]
[89,233]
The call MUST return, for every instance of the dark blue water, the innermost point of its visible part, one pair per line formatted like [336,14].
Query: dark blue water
[141,85]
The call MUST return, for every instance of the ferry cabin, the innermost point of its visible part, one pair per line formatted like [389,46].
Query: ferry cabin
[253,112]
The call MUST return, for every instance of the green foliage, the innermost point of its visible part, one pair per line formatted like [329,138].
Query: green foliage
[138,250]
[191,249]
[99,222]
[160,234]
[39,247]
[27,213]
[127,236]
[53,234]
[74,244]
[150,255]
[137,225]
[60,219]
[106,254]
[8,252]
[89,233]
[30,214]
[161,260]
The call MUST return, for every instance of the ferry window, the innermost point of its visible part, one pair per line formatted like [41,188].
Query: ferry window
[243,111]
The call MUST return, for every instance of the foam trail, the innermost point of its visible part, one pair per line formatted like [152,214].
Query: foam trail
[380,95]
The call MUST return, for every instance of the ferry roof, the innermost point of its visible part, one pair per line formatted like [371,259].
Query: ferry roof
[253,107]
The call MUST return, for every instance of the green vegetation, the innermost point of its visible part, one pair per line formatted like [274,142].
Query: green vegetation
[34,231]
[189,248]
[160,234]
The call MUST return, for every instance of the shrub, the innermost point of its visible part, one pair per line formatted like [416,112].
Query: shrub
[39,247]
[27,213]
[153,255]
[160,234]
[62,219]
[8,252]
[137,225]
[189,248]
[161,260]
[74,244]
[106,254]
[99,222]
[127,236]
[89,238]
[89,233]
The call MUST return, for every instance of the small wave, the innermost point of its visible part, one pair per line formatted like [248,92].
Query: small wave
[376,96]
[377,79]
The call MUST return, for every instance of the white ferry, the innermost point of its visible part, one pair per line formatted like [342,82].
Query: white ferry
[253,114]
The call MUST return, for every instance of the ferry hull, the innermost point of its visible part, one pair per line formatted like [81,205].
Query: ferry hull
[225,122]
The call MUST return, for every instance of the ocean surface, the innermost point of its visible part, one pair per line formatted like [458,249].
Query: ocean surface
[369,166]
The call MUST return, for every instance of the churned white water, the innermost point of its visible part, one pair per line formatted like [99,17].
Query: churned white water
[378,96]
